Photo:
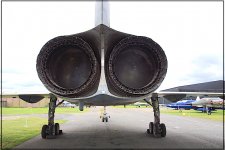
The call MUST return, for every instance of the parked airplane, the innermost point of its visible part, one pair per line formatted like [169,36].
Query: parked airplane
[68,104]
[204,104]
[139,104]
[209,103]
[182,104]
[102,67]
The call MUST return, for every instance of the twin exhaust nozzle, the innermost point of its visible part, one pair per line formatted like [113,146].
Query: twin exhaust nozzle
[70,66]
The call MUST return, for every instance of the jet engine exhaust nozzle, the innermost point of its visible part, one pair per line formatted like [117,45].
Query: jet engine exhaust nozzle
[68,67]
[137,65]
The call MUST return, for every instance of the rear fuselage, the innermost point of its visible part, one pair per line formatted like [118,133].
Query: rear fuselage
[102,67]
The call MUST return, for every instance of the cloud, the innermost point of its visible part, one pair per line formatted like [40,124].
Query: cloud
[191,35]
[195,69]
[21,83]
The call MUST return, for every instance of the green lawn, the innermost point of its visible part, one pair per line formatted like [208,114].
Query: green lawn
[20,130]
[44,110]
[16,131]
[216,115]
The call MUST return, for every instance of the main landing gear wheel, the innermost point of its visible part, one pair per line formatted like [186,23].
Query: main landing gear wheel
[157,131]
[56,129]
[44,131]
[163,129]
[150,130]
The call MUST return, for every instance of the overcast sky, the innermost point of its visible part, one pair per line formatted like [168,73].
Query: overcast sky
[191,34]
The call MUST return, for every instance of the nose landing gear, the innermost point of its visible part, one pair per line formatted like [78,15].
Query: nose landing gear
[105,117]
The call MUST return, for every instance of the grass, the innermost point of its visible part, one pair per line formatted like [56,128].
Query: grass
[44,110]
[20,130]
[216,115]
[17,131]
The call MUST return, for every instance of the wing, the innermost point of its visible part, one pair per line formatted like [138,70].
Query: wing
[30,98]
[176,96]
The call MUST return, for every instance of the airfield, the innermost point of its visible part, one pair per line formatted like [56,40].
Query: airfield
[127,129]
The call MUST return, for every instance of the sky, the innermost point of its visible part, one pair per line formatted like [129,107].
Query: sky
[190,33]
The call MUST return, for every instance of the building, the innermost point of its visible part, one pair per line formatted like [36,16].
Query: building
[17,102]
[213,86]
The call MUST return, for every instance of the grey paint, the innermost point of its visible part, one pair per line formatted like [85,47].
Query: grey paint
[102,13]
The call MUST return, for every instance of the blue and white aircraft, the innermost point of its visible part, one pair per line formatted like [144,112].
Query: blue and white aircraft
[204,104]
[182,104]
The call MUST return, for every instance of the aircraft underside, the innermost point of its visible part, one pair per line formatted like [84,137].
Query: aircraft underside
[53,129]
[104,100]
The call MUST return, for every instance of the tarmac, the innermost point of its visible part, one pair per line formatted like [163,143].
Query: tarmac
[126,129]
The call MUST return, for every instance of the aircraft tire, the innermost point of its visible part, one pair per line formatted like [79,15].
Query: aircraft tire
[56,129]
[151,127]
[163,129]
[106,119]
[44,131]
[148,131]
[103,119]
[60,132]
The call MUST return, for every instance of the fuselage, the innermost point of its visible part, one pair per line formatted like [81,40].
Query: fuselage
[209,102]
[183,104]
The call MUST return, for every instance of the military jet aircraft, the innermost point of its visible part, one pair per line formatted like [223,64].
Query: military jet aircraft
[199,105]
[139,104]
[102,67]
[208,103]
[182,104]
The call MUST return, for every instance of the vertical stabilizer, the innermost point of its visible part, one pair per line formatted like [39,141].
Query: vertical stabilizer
[198,98]
[102,12]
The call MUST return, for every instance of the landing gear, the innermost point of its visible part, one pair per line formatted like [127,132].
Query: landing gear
[157,129]
[208,110]
[44,131]
[163,129]
[52,129]
[105,117]
[57,129]
[150,129]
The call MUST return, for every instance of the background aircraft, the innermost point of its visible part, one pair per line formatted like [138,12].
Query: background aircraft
[209,103]
[182,104]
[139,104]
[204,104]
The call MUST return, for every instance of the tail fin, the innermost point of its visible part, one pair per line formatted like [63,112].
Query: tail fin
[198,98]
